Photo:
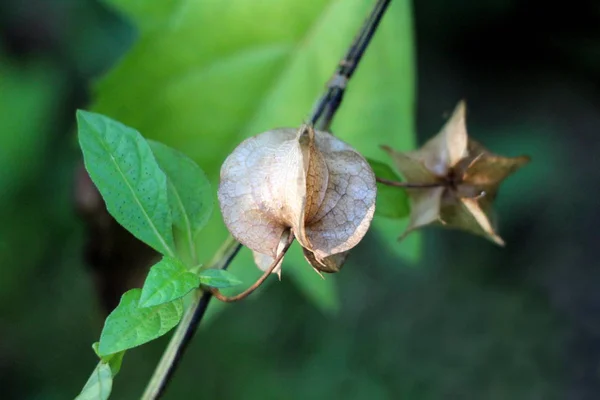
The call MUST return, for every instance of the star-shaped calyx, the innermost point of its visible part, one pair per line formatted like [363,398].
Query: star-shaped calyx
[452,180]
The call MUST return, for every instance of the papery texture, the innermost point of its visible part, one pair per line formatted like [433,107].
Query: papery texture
[304,180]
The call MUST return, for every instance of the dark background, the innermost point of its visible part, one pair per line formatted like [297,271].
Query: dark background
[471,321]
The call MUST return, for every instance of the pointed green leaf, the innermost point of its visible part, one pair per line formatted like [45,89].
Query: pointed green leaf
[167,280]
[392,202]
[99,384]
[190,193]
[130,326]
[218,278]
[124,170]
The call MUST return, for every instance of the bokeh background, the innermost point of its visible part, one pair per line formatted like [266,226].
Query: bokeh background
[442,315]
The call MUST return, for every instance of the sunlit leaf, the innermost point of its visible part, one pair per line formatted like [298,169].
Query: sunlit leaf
[149,14]
[130,325]
[124,170]
[167,280]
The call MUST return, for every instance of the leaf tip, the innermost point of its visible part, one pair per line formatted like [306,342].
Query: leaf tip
[82,115]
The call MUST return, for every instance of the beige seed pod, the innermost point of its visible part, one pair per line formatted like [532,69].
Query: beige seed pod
[466,176]
[302,182]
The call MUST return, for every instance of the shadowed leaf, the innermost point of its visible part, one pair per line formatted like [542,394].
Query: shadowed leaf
[190,193]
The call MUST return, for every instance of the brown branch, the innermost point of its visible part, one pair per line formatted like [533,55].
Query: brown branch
[329,103]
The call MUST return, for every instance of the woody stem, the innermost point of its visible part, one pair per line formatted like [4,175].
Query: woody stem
[328,104]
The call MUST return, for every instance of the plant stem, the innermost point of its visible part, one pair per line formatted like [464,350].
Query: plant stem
[324,111]
[329,103]
[177,346]
[187,326]
[409,185]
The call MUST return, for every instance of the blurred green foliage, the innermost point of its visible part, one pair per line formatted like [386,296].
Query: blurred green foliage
[392,202]
[28,100]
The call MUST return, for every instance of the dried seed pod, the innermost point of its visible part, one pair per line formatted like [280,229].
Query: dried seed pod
[304,181]
[467,174]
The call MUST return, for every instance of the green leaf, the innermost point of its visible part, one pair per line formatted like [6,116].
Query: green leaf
[252,77]
[190,193]
[125,172]
[218,278]
[167,280]
[130,326]
[114,360]
[148,14]
[392,202]
[99,384]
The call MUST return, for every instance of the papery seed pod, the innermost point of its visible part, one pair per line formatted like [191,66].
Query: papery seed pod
[467,177]
[304,181]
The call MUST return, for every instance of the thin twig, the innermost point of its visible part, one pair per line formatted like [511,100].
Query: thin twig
[187,326]
[328,104]
[409,185]
[256,285]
